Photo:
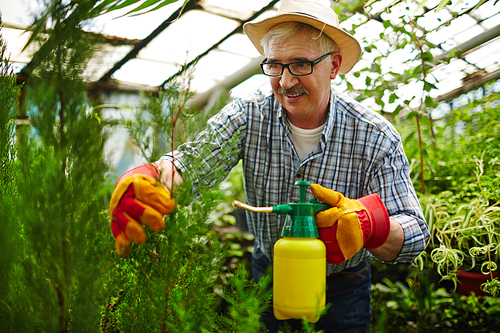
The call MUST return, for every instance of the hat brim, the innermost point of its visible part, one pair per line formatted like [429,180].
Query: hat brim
[348,45]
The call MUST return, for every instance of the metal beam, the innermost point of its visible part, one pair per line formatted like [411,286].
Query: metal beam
[471,43]
[469,85]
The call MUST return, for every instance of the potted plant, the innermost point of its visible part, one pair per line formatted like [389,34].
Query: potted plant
[465,234]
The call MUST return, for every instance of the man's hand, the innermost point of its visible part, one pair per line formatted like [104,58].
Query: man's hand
[138,199]
[350,224]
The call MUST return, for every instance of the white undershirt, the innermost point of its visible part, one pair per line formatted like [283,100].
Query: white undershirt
[305,139]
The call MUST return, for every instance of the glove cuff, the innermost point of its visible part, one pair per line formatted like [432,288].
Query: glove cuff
[379,221]
[147,169]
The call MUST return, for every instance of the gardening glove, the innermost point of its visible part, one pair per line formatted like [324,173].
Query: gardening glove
[350,224]
[138,199]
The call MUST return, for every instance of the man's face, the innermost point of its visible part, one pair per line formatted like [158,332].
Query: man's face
[305,98]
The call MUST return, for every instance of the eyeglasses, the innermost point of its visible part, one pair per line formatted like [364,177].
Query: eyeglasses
[299,68]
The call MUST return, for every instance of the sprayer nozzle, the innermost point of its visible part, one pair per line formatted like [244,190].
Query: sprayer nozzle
[242,205]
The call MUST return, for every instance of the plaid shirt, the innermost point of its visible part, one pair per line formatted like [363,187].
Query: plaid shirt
[359,153]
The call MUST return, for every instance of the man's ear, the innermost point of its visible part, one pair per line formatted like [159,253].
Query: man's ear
[336,62]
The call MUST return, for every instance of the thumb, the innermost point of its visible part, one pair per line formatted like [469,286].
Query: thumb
[331,197]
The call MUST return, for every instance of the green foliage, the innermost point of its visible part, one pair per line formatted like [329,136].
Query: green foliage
[465,229]
[163,121]
[55,203]
[245,305]
[59,270]
[173,281]
[418,306]
[463,136]
[9,237]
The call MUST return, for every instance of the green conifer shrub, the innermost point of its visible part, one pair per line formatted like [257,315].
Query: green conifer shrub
[169,283]
[59,269]
[9,239]
[55,199]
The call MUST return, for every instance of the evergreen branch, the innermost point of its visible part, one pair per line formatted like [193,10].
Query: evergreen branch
[186,301]
[169,290]
[63,319]
[146,273]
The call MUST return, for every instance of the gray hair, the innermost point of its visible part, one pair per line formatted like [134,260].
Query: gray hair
[286,30]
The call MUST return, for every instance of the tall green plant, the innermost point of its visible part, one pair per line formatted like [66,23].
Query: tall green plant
[172,282]
[53,284]
[9,237]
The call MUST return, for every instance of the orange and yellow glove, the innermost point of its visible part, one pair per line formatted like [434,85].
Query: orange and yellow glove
[350,224]
[138,199]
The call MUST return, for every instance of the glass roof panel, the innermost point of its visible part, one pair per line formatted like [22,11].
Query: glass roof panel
[184,41]
[467,34]
[19,12]
[492,68]
[196,31]
[104,60]
[458,25]
[469,69]
[455,65]
[16,40]
[239,44]
[259,81]
[452,82]
[219,63]
[145,72]
[369,33]
[461,24]
[237,9]
[491,50]
[460,6]
[491,22]
[432,20]
[486,10]
[201,83]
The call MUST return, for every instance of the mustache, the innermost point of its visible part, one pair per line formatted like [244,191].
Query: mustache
[293,91]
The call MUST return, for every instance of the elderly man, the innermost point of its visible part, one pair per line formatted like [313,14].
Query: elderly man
[303,130]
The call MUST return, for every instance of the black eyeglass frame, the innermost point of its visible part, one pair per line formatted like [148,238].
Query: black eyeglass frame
[283,66]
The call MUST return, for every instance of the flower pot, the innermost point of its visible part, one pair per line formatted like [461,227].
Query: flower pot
[471,282]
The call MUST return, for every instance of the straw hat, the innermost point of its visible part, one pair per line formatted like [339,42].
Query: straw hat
[311,12]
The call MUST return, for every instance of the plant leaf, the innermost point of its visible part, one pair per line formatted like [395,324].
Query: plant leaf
[124,4]
[441,5]
[421,5]
[164,3]
[146,4]
[151,3]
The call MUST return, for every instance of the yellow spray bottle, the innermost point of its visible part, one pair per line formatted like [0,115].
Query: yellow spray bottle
[299,265]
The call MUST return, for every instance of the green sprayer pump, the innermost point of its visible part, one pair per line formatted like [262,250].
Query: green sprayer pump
[299,264]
